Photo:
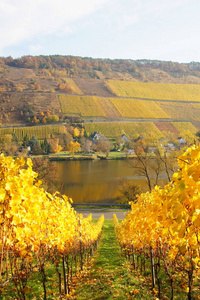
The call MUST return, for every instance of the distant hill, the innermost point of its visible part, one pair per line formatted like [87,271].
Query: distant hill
[86,67]
[45,89]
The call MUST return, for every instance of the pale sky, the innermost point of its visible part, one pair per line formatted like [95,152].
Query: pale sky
[126,29]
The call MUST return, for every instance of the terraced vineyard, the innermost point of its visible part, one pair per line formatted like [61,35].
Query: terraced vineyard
[111,108]
[139,103]
[181,111]
[40,132]
[139,109]
[130,129]
[81,105]
[159,91]
[182,126]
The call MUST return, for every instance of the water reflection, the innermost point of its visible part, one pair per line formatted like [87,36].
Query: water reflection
[96,181]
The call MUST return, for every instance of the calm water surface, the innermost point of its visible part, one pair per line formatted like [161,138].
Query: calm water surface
[96,181]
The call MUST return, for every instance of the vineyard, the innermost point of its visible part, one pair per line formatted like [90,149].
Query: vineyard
[120,108]
[167,127]
[134,129]
[39,230]
[80,105]
[46,245]
[111,108]
[138,109]
[40,132]
[181,111]
[182,126]
[156,91]
[163,228]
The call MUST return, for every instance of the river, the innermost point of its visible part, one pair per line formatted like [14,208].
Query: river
[96,181]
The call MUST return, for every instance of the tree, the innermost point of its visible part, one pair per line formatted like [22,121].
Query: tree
[86,145]
[169,160]
[52,118]
[25,141]
[54,145]
[46,147]
[188,136]
[33,142]
[104,146]
[119,142]
[36,149]
[47,173]
[76,133]
[44,120]
[151,165]
[38,87]
[73,147]
[128,192]
[142,164]
[65,88]
[8,145]
[35,120]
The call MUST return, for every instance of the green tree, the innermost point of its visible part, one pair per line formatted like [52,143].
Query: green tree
[46,147]
[33,142]
[25,141]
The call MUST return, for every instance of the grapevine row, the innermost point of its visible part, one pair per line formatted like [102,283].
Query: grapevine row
[40,132]
[164,226]
[37,228]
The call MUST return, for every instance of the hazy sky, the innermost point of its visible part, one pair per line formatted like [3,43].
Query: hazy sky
[130,29]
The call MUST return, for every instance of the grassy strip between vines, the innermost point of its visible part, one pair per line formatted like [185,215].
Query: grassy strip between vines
[111,276]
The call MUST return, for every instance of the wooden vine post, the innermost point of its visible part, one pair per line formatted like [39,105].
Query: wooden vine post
[152,268]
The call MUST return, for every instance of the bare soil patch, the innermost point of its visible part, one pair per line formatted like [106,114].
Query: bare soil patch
[94,87]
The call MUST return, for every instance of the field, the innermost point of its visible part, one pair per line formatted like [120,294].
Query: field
[130,129]
[156,91]
[40,132]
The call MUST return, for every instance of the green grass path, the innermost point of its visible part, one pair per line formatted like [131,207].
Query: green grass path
[110,276]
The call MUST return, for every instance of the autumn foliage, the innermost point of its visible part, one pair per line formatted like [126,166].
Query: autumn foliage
[165,224]
[37,227]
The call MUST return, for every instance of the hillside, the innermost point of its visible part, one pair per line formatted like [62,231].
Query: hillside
[111,96]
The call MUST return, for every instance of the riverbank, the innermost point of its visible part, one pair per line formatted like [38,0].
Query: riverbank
[104,209]
[108,215]
[65,156]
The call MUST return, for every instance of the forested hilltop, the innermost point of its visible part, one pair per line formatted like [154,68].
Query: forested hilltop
[127,69]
